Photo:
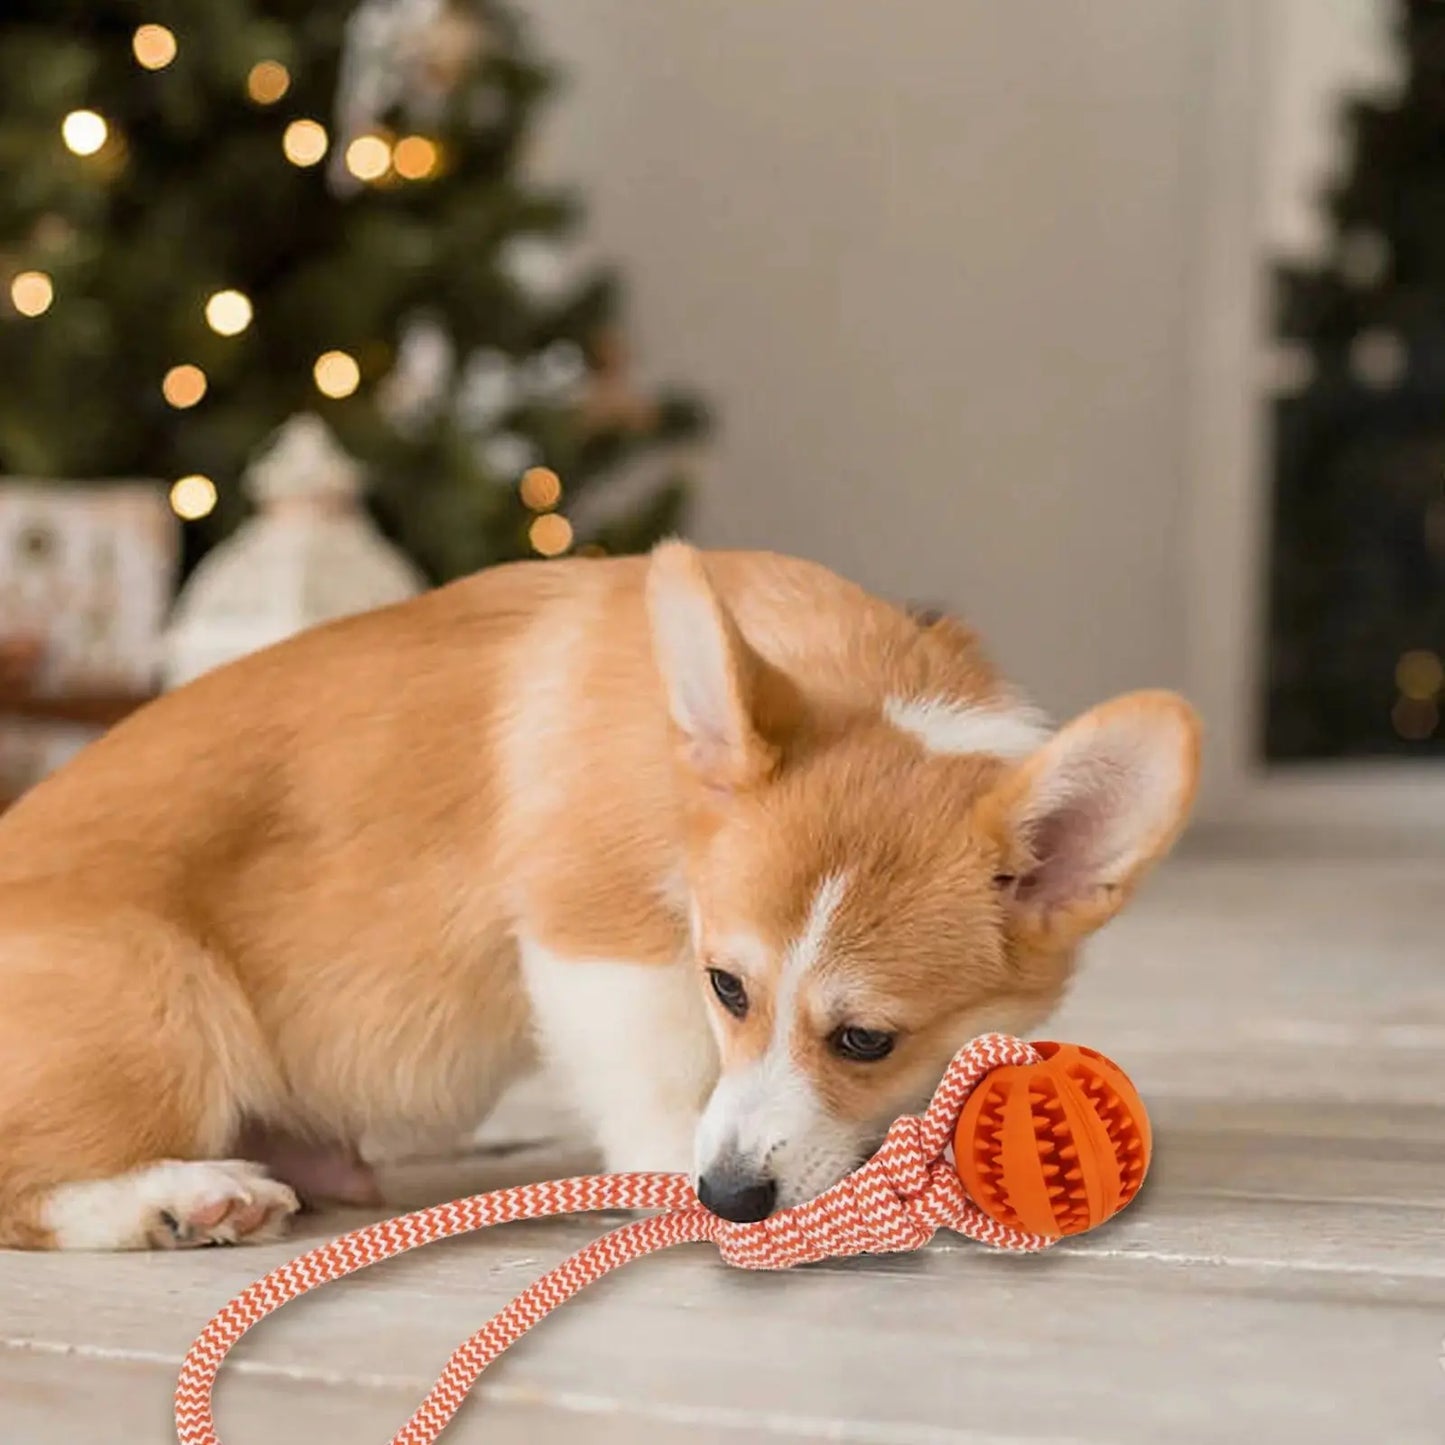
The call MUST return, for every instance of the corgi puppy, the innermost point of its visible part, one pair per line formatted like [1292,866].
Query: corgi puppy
[741,852]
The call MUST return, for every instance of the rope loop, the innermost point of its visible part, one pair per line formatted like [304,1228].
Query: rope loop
[895,1202]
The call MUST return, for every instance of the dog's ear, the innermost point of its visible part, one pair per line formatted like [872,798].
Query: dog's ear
[1082,819]
[710,676]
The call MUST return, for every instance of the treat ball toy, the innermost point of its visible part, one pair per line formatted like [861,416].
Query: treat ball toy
[1046,1139]
[1053,1147]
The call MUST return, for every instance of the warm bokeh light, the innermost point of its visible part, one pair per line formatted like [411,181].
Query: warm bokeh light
[31,293]
[368,157]
[228,312]
[1415,719]
[1379,357]
[193,497]
[154,46]
[84,132]
[267,82]
[304,142]
[541,488]
[1419,674]
[415,157]
[336,373]
[184,385]
[550,534]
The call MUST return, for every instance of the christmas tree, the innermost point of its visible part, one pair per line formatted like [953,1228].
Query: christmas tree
[218,214]
[1357,563]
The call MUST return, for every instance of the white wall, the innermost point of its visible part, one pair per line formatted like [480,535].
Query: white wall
[1318,52]
[931,260]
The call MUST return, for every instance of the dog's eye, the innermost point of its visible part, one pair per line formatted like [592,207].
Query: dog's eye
[731,992]
[867,1046]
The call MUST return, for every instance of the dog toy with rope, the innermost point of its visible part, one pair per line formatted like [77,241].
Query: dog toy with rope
[1021,1145]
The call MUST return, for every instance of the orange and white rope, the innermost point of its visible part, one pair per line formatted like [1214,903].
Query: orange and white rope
[896,1202]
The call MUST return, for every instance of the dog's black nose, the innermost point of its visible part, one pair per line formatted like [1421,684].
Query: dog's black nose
[741,1198]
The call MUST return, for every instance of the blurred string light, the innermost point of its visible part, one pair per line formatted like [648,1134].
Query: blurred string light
[84,132]
[112,158]
[541,488]
[184,385]
[506,454]
[193,497]
[1363,258]
[304,142]
[228,313]
[550,534]
[1414,718]
[368,157]
[1420,677]
[267,82]
[1379,358]
[1419,674]
[31,293]
[336,373]
[415,157]
[154,46]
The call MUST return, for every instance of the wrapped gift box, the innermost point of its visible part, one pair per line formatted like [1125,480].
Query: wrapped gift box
[87,572]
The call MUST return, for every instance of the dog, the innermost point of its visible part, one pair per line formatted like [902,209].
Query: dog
[740,852]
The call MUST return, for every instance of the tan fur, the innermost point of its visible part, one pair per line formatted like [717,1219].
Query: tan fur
[288,895]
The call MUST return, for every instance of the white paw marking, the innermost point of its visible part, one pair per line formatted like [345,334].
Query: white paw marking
[174,1204]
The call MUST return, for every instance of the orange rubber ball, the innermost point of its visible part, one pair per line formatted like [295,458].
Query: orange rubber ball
[1055,1147]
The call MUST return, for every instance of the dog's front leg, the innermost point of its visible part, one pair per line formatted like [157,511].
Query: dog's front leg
[630,1044]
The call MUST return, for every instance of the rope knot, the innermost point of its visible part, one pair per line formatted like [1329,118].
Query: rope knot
[900,1198]
[894,1203]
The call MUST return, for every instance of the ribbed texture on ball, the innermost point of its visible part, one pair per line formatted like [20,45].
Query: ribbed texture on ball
[1054,1147]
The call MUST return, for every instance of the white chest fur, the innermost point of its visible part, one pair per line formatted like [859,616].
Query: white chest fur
[631,1046]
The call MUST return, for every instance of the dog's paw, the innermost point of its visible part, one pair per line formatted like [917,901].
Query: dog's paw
[173,1204]
[224,1201]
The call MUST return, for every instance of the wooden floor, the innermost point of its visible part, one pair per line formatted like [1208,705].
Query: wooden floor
[1282,1278]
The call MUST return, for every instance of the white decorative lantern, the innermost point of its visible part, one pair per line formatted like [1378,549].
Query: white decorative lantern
[309,555]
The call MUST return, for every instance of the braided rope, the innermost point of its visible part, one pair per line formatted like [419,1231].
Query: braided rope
[894,1203]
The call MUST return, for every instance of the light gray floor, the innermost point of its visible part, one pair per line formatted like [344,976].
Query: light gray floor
[1281,1278]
